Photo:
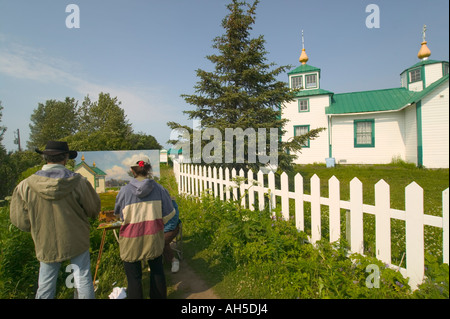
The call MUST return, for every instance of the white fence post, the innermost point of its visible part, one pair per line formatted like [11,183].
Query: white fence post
[415,258]
[299,211]
[188,179]
[220,183]
[260,190]
[272,200]
[233,184]
[316,225]
[334,208]
[195,179]
[242,188]
[285,196]
[445,225]
[215,183]
[227,183]
[210,181]
[382,222]
[356,216]
[251,190]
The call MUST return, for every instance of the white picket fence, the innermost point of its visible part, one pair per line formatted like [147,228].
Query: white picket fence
[194,179]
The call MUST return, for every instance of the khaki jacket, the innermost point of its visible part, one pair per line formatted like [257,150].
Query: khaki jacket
[55,206]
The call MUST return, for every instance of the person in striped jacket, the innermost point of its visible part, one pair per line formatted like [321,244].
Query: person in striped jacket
[144,206]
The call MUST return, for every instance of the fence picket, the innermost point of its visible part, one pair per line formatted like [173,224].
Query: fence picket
[299,212]
[242,188]
[334,209]
[356,216]
[260,177]
[382,222]
[227,183]
[194,179]
[220,183]
[251,190]
[316,224]
[272,202]
[415,259]
[233,184]
[445,225]
[285,196]
[214,182]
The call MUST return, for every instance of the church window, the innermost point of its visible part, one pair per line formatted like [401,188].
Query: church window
[301,130]
[311,81]
[296,82]
[364,133]
[303,105]
[414,76]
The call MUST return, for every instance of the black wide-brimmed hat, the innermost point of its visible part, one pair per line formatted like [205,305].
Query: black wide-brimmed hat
[56,147]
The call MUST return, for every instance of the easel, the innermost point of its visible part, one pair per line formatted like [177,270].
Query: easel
[102,243]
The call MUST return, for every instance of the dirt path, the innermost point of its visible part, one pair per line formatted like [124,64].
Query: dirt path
[188,285]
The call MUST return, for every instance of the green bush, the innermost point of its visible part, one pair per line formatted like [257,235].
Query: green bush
[18,264]
[257,255]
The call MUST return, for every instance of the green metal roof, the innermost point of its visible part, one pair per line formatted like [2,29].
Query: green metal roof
[424,62]
[303,93]
[419,95]
[175,151]
[304,68]
[378,100]
[94,170]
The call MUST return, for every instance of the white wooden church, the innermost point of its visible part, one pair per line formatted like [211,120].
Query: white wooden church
[410,122]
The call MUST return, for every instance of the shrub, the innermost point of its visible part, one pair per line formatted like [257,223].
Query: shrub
[256,254]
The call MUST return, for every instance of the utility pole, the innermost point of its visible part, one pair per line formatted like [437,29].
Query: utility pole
[17,139]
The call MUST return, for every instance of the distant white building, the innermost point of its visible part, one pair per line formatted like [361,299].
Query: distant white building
[163,156]
[374,127]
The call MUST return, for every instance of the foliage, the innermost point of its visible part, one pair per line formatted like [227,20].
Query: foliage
[19,267]
[256,255]
[92,126]
[241,93]
[18,264]
[248,254]
[2,128]
[3,159]
[52,121]
[12,167]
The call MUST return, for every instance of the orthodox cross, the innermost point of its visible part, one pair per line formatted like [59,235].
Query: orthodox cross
[423,32]
[303,41]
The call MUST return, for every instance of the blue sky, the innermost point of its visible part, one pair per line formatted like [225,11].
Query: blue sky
[146,52]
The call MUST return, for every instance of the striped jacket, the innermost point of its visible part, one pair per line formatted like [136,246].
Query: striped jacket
[144,207]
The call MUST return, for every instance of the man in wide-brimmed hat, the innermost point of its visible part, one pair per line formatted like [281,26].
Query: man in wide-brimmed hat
[57,148]
[55,205]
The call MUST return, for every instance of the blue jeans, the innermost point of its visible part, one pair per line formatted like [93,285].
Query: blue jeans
[78,276]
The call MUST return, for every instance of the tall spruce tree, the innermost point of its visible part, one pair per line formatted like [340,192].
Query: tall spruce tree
[241,93]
